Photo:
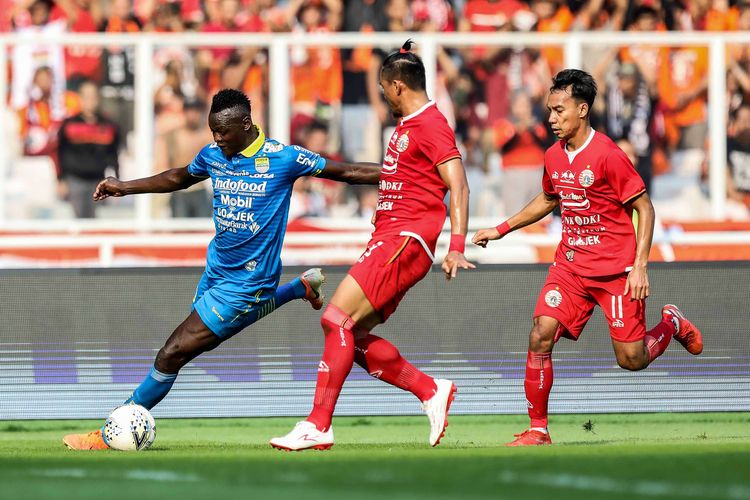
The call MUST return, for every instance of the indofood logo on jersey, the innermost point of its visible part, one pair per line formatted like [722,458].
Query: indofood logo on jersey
[573,198]
[236,187]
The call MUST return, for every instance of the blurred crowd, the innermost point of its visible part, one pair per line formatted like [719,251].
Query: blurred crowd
[75,104]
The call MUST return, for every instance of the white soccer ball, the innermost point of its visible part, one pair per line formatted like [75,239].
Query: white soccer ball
[129,428]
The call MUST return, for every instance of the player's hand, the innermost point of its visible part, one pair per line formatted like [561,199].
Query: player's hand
[484,236]
[109,187]
[453,261]
[637,284]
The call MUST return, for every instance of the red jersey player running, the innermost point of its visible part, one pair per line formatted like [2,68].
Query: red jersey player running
[420,164]
[600,260]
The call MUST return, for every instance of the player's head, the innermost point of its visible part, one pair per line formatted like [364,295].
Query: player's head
[569,103]
[401,74]
[230,122]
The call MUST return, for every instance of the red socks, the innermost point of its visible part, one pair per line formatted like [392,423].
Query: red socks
[382,360]
[657,339]
[335,365]
[538,383]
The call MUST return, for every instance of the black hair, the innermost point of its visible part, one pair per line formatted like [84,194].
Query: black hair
[406,66]
[230,98]
[582,85]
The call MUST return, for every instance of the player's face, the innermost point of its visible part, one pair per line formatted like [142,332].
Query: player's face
[392,95]
[566,115]
[230,129]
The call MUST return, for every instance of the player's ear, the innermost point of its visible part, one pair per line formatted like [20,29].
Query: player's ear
[583,110]
[247,122]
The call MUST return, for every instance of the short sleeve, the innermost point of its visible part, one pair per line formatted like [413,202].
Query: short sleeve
[199,166]
[305,162]
[622,176]
[547,186]
[439,143]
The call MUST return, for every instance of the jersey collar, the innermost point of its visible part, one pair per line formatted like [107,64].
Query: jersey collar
[417,112]
[254,146]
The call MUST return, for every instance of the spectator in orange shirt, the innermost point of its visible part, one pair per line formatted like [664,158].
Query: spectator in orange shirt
[316,73]
[522,141]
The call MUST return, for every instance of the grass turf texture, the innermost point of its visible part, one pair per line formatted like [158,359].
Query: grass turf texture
[680,456]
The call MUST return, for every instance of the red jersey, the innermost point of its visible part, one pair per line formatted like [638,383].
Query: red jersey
[593,184]
[411,192]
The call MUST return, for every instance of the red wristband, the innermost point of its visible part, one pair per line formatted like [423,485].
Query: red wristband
[503,228]
[458,243]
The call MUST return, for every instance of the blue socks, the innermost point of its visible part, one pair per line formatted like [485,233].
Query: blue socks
[289,291]
[153,389]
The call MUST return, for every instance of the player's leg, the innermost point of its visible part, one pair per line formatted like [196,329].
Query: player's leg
[338,321]
[562,310]
[538,381]
[191,338]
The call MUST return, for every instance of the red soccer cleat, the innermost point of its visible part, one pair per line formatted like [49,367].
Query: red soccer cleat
[530,437]
[687,334]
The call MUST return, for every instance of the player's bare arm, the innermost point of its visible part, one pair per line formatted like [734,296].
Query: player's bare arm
[351,173]
[537,209]
[170,180]
[637,282]
[453,174]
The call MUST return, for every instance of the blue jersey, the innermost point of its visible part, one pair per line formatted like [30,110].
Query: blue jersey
[252,191]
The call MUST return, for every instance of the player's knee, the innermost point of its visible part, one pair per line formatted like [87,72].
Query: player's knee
[541,338]
[632,362]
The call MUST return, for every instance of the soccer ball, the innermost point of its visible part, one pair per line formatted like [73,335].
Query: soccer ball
[129,428]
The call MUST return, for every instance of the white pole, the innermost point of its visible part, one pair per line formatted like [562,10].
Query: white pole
[573,50]
[717,127]
[428,52]
[279,110]
[4,157]
[144,125]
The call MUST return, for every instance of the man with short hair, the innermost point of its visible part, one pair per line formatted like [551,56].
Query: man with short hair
[601,259]
[252,181]
[421,164]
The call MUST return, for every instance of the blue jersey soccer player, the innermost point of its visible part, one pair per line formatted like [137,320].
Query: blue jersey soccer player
[252,179]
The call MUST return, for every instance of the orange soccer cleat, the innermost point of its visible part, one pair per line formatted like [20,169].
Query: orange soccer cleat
[530,437]
[90,441]
[686,332]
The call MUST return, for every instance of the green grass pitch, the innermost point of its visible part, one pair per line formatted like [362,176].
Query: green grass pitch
[664,456]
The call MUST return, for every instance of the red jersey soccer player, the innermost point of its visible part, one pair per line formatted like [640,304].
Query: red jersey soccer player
[600,260]
[421,163]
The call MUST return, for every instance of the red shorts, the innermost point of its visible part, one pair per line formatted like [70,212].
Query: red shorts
[389,267]
[570,299]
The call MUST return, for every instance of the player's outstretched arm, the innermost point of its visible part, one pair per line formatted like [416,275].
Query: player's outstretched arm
[351,173]
[170,180]
[537,209]
[453,174]
[637,283]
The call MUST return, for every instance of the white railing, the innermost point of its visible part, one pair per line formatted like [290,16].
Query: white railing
[574,45]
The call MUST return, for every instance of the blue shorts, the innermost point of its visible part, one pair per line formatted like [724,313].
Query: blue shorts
[227,309]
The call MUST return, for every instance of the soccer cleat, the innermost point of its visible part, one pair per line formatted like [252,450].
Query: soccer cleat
[685,332]
[304,436]
[530,437]
[90,441]
[313,280]
[437,408]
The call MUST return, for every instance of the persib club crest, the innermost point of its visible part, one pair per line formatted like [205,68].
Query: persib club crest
[586,178]
[403,142]
[553,298]
[262,164]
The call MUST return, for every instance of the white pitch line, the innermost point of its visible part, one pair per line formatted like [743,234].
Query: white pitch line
[636,487]
[139,474]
